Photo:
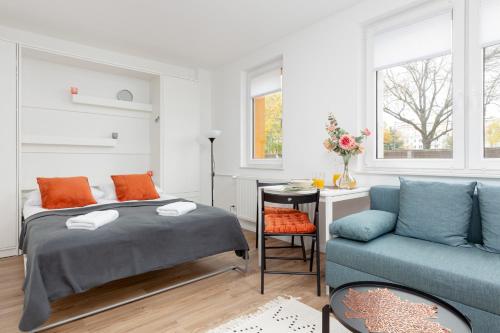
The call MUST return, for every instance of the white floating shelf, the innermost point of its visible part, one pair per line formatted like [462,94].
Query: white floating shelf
[68,141]
[111,103]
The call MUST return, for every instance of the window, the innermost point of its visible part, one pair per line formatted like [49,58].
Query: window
[413,66]
[265,101]
[433,89]
[490,43]
[267,127]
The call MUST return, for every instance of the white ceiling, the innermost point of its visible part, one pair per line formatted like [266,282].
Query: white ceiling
[205,33]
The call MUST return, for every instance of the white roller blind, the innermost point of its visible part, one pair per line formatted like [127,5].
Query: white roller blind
[424,39]
[490,22]
[265,83]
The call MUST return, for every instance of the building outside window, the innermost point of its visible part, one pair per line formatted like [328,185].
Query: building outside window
[265,100]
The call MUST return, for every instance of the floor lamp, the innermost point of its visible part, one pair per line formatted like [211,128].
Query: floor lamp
[212,135]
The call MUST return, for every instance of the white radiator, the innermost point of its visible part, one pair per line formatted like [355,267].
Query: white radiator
[246,198]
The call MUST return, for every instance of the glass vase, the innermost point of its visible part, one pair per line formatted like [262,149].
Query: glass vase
[346,181]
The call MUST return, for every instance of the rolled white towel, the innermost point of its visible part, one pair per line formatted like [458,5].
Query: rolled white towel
[176,208]
[93,220]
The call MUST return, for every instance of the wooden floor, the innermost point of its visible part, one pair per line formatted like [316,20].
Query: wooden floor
[192,308]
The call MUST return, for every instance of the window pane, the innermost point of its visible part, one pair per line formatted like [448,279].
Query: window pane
[415,109]
[492,101]
[267,129]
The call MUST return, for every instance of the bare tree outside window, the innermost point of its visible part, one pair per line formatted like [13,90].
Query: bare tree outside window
[492,101]
[416,101]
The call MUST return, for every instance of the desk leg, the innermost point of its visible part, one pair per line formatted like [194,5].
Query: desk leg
[328,219]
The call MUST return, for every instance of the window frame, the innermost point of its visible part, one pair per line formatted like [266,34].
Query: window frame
[247,158]
[370,161]
[476,114]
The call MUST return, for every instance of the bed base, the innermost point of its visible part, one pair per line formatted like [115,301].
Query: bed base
[243,269]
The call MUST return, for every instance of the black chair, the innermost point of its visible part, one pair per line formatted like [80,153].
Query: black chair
[296,207]
[297,225]
[259,185]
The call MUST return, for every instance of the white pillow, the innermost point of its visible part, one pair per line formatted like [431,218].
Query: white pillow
[98,194]
[34,198]
[109,192]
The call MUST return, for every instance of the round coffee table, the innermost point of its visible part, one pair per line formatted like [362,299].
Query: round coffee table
[448,316]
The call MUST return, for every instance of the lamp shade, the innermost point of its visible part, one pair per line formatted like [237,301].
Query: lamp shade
[214,133]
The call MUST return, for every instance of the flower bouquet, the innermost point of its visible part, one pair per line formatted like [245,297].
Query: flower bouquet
[345,145]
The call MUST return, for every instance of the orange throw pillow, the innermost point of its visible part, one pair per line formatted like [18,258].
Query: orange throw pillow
[134,187]
[66,192]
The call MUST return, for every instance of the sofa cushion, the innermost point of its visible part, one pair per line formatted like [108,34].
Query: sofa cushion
[383,197]
[435,211]
[489,204]
[463,274]
[364,226]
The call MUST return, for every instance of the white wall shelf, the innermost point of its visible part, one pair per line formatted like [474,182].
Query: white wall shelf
[68,141]
[111,103]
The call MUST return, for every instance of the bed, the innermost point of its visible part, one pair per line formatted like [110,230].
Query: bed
[61,262]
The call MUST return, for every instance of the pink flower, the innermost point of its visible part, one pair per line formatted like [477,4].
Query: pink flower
[331,128]
[347,142]
[366,132]
[328,145]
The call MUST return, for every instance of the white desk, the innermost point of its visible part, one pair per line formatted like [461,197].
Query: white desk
[327,196]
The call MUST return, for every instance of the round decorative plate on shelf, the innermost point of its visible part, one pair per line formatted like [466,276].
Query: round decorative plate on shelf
[125,95]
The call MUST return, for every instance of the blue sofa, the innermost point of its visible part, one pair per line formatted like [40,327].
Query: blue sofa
[466,277]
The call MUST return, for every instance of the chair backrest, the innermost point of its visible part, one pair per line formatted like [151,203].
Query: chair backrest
[293,199]
[387,198]
[262,184]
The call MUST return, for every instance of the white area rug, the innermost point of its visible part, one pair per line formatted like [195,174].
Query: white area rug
[281,315]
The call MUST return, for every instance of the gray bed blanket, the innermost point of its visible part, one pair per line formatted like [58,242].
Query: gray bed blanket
[63,262]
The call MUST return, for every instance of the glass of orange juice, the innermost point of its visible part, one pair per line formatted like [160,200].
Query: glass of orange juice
[319,181]
[336,177]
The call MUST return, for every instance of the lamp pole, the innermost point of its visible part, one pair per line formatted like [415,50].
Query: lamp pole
[212,173]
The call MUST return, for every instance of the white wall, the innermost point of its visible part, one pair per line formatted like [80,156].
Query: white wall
[47,110]
[323,67]
[205,85]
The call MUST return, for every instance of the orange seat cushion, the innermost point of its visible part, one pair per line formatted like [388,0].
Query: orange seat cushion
[295,223]
[134,187]
[68,192]
[279,210]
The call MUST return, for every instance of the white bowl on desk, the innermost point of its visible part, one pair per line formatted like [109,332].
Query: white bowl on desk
[301,183]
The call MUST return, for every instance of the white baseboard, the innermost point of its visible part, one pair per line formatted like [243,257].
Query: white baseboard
[9,252]
[247,225]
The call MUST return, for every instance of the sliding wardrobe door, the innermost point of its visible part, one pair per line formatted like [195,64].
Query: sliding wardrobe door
[8,149]
[181,156]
